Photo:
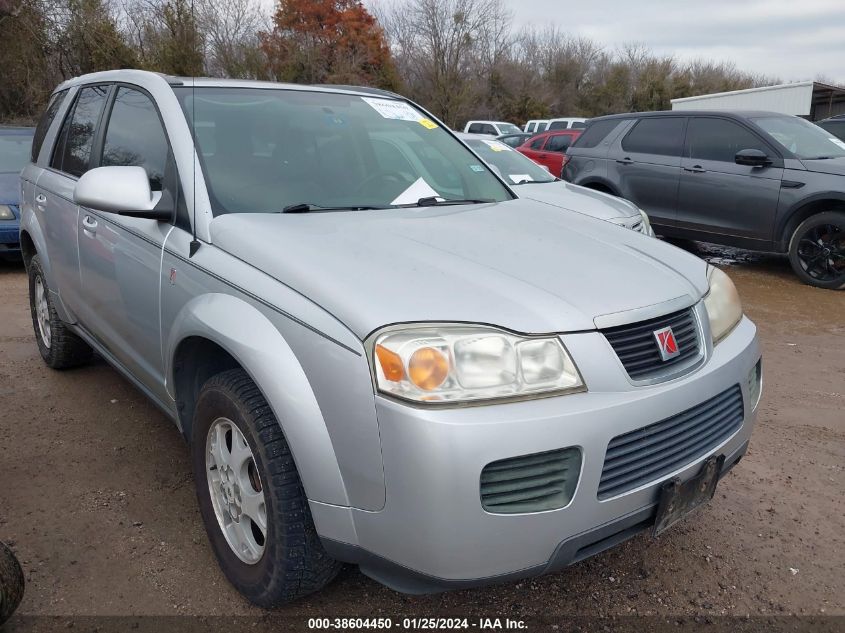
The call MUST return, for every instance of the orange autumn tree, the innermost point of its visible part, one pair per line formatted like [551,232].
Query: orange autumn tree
[328,41]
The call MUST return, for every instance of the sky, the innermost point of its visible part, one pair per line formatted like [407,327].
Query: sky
[791,40]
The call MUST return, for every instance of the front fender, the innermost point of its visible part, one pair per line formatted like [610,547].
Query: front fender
[249,336]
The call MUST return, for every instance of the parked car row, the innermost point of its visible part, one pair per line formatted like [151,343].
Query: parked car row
[379,351]
[756,180]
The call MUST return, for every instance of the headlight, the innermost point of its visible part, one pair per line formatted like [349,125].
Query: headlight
[722,302]
[645,227]
[6,212]
[457,363]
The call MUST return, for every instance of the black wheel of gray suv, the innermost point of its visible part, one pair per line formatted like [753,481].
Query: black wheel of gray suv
[11,583]
[59,347]
[251,498]
[817,250]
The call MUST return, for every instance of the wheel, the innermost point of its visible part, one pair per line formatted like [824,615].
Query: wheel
[11,583]
[817,250]
[59,347]
[251,498]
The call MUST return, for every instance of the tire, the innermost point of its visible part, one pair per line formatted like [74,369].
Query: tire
[291,562]
[817,250]
[11,583]
[60,348]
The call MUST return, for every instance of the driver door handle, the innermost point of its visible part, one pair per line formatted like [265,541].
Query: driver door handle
[89,225]
[624,161]
[696,169]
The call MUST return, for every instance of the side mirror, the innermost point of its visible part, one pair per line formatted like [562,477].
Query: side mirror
[752,158]
[121,190]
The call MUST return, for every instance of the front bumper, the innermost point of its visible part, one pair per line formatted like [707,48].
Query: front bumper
[434,534]
[10,245]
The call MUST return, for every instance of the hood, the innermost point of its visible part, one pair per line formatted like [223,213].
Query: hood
[580,199]
[520,265]
[835,166]
[10,188]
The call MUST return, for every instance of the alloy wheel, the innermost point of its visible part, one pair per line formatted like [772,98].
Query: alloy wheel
[236,492]
[42,312]
[821,252]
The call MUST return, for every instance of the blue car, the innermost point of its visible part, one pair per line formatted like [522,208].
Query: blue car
[15,146]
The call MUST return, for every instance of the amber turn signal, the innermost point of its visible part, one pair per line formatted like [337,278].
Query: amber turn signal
[391,364]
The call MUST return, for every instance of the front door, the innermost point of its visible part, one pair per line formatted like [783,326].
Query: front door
[120,256]
[721,198]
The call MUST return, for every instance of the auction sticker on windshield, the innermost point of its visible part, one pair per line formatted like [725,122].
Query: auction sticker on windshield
[497,146]
[390,109]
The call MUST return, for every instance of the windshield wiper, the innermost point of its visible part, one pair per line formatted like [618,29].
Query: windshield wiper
[436,201]
[305,207]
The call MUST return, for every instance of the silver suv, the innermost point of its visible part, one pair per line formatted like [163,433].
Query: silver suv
[377,353]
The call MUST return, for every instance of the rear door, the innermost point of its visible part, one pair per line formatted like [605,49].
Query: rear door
[54,192]
[120,256]
[533,148]
[555,148]
[647,165]
[717,196]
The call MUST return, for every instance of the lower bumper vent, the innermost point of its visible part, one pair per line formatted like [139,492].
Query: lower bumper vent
[531,483]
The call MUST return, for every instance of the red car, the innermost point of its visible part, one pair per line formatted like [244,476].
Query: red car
[548,148]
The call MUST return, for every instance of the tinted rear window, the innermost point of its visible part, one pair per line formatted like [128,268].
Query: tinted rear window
[663,136]
[73,150]
[596,132]
[44,124]
[559,143]
[837,128]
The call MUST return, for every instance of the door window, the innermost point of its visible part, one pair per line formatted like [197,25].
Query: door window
[656,135]
[135,136]
[719,140]
[475,128]
[489,129]
[73,149]
[537,143]
[45,121]
[559,143]
[558,125]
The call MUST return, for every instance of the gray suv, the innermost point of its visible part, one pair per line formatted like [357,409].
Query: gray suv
[755,180]
[377,353]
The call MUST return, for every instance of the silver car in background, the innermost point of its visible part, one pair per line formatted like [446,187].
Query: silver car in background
[377,352]
[534,182]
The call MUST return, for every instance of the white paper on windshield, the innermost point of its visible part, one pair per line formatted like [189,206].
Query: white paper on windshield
[839,142]
[498,146]
[420,189]
[389,109]
[515,178]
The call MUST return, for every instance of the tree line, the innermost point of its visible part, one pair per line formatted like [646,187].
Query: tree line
[461,59]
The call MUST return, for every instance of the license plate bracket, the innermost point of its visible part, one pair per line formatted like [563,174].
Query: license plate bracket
[678,499]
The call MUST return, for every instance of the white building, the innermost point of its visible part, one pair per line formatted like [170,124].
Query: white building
[809,99]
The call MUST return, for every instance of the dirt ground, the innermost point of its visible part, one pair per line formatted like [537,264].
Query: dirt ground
[97,498]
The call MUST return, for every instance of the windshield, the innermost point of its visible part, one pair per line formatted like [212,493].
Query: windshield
[263,150]
[15,148]
[508,128]
[802,138]
[513,167]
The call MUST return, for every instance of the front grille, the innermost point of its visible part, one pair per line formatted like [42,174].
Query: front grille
[649,453]
[636,346]
[531,483]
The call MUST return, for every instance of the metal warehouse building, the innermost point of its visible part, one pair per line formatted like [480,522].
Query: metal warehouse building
[810,99]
